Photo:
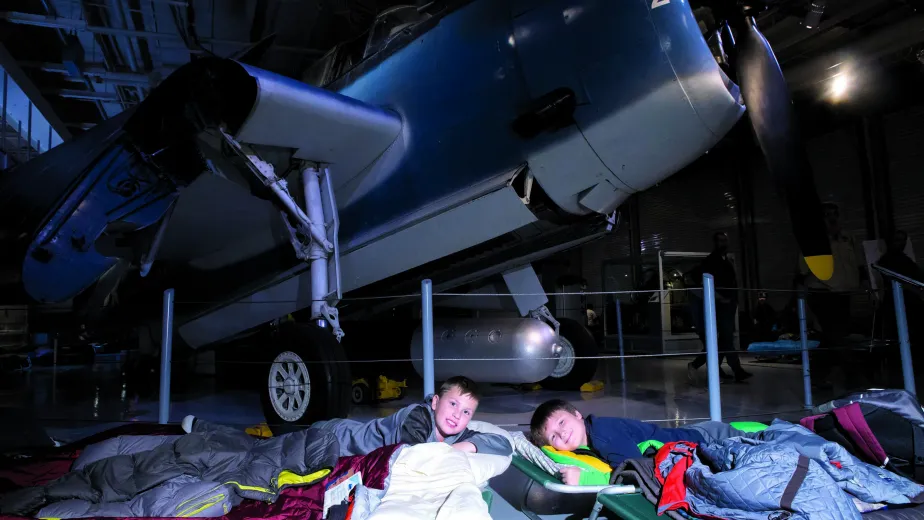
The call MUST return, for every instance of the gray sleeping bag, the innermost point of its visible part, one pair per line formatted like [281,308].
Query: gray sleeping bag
[201,474]
[183,496]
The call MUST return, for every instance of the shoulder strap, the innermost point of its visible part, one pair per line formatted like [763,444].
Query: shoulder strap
[809,422]
[851,419]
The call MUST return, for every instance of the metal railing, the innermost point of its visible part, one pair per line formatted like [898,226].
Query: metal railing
[712,352]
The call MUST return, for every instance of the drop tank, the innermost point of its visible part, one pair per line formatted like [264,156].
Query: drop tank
[494,350]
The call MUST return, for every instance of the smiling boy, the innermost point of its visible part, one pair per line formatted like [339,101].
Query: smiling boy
[559,424]
[443,417]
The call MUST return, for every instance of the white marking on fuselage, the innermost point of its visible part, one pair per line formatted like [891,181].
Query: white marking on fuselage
[658,3]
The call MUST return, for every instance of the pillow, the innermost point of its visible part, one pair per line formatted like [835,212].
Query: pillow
[486,466]
[595,472]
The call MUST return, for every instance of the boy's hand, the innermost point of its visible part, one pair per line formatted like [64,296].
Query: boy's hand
[571,475]
[467,447]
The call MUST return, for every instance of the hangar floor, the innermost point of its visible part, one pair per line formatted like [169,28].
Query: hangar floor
[73,402]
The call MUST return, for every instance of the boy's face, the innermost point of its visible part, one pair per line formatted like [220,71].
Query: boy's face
[453,411]
[565,431]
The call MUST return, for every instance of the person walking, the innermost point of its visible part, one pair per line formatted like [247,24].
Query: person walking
[726,307]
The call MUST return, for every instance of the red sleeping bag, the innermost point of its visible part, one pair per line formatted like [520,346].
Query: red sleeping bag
[297,502]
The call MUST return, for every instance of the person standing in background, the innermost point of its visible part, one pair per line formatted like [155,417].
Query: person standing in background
[829,300]
[726,307]
[694,283]
[895,259]
[765,320]
[590,316]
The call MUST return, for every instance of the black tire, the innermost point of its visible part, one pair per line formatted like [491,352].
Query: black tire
[317,353]
[361,393]
[582,344]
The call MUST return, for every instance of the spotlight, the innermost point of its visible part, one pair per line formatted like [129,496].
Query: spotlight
[840,84]
[816,10]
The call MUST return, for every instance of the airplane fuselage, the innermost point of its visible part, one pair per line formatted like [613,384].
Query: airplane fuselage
[648,98]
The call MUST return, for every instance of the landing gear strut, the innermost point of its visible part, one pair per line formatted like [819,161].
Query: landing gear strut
[577,361]
[307,377]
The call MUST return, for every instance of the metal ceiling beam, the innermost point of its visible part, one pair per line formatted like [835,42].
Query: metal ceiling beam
[32,92]
[82,126]
[85,95]
[70,24]
[119,78]
[907,33]
[837,18]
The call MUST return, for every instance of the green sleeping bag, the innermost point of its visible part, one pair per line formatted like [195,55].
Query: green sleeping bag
[594,472]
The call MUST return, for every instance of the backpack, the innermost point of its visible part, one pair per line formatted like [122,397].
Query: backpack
[882,427]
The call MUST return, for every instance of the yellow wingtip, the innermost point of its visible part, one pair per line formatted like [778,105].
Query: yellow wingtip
[822,266]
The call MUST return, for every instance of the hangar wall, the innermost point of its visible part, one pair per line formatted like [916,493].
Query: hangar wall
[682,213]
[904,136]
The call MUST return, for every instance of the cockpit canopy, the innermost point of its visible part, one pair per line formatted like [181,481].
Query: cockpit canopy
[386,27]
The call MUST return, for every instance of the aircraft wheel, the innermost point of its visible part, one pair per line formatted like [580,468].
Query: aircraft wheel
[571,373]
[306,378]
[362,393]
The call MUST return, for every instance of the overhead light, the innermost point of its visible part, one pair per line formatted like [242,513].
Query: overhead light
[816,10]
[840,86]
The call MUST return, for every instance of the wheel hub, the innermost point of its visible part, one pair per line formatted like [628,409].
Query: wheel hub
[289,386]
[565,358]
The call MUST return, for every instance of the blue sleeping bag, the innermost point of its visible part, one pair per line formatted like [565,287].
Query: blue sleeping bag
[780,345]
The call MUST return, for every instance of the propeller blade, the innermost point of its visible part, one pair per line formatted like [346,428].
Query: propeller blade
[769,105]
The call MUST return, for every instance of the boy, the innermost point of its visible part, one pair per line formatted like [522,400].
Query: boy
[558,424]
[443,419]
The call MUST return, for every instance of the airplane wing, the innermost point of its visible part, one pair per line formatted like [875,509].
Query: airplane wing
[320,125]
[117,180]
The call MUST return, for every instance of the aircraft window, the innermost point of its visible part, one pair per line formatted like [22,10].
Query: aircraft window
[390,23]
[387,25]
[335,63]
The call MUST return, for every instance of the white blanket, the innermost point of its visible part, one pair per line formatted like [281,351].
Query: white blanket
[433,481]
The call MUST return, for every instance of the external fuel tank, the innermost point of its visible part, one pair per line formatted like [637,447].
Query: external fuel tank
[492,350]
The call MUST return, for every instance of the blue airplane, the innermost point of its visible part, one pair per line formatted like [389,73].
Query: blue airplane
[416,151]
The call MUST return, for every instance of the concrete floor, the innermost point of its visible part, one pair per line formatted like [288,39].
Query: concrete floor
[73,402]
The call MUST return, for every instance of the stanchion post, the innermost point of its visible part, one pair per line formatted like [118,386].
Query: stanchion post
[166,353]
[426,295]
[712,348]
[803,337]
[904,340]
[622,352]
